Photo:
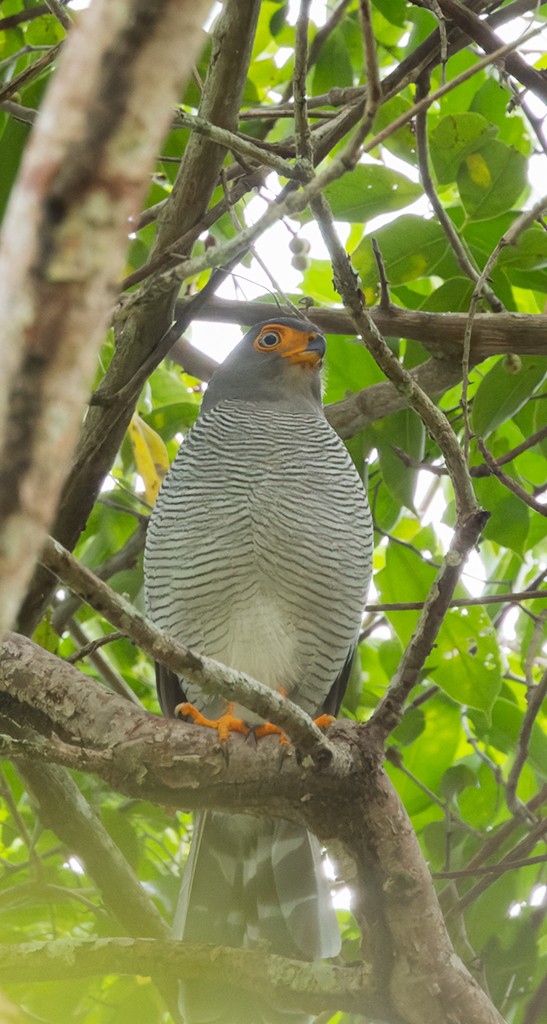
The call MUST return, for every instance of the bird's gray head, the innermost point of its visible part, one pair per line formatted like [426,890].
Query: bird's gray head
[277,361]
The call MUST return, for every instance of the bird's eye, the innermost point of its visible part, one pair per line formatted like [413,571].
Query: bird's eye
[269,340]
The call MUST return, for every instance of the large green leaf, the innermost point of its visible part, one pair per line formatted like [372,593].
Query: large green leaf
[467,660]
[454,137]
[405,578]
[491,180]
[411,247]
[333,67]
[406,431]
[370,189]
[502,392]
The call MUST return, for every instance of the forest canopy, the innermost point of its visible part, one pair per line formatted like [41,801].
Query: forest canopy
[171,174]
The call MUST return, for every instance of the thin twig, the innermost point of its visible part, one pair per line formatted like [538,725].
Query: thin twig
[11,20]
[535,698]
[508,481]
[461,602]
[493,869]
[535,835]
[303,143]
[113,680]
[60,12]
[92,646]
[124,558]
[534,648]
[384,302]
[474,471]
[262,264]
[473,742]
[374,88]
[510,237]
[470,518]
[29,73]
[463,256]
[24,114]
[242,147]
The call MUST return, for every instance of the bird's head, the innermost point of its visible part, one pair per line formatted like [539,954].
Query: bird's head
[278,360]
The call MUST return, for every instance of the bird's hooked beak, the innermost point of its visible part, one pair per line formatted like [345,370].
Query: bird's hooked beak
[305,349]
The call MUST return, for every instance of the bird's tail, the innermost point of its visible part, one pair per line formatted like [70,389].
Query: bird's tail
[253,883]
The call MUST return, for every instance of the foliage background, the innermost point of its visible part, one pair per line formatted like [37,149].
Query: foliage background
[452,757]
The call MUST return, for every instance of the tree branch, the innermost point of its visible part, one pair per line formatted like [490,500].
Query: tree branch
[351,799]
[64,240]
[508,481]
[141,329]
[210,675]
[535,698]
[440,333]
[312,987]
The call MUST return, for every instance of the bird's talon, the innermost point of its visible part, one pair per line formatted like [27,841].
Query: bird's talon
[226,724]
[269,729]
[323,721]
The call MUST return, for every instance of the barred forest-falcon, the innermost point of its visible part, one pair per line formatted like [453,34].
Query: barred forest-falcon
[259,554]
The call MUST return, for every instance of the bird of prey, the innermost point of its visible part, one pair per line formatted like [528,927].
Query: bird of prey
[259,554]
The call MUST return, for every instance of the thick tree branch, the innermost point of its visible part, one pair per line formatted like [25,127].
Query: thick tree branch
[440,333]
[64,239]
[141,330]
[351,799]
[476,29]
[63,808]
[210,675]
[312,987]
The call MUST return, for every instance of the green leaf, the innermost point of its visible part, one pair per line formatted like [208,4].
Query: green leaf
[169,420]
[405,577]
[456,779]
[491,180]
[502,393]
[385,508]
[411,247]
[14,140]
[350,367]
[453,296]
[478,805]
[509,522]
[333,67]
[401,143]
[506,728]
[45,31]
[369,190]
[454,138]
[406,431]
[529,252]
[467,660]
[410,727]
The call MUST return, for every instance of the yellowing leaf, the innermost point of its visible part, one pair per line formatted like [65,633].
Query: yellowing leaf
[151,458]
[478,170]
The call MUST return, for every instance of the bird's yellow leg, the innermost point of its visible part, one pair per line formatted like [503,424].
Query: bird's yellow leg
[224,725]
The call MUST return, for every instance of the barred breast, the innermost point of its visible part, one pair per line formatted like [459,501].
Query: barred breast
[259,549]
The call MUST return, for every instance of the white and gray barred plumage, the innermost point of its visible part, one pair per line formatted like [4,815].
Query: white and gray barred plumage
[259,554]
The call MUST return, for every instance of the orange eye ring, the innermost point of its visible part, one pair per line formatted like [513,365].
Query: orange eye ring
[268,340]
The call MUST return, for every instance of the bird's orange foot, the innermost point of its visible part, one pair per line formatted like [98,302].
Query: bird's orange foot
[224,725]
[324,721]
[269,729]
